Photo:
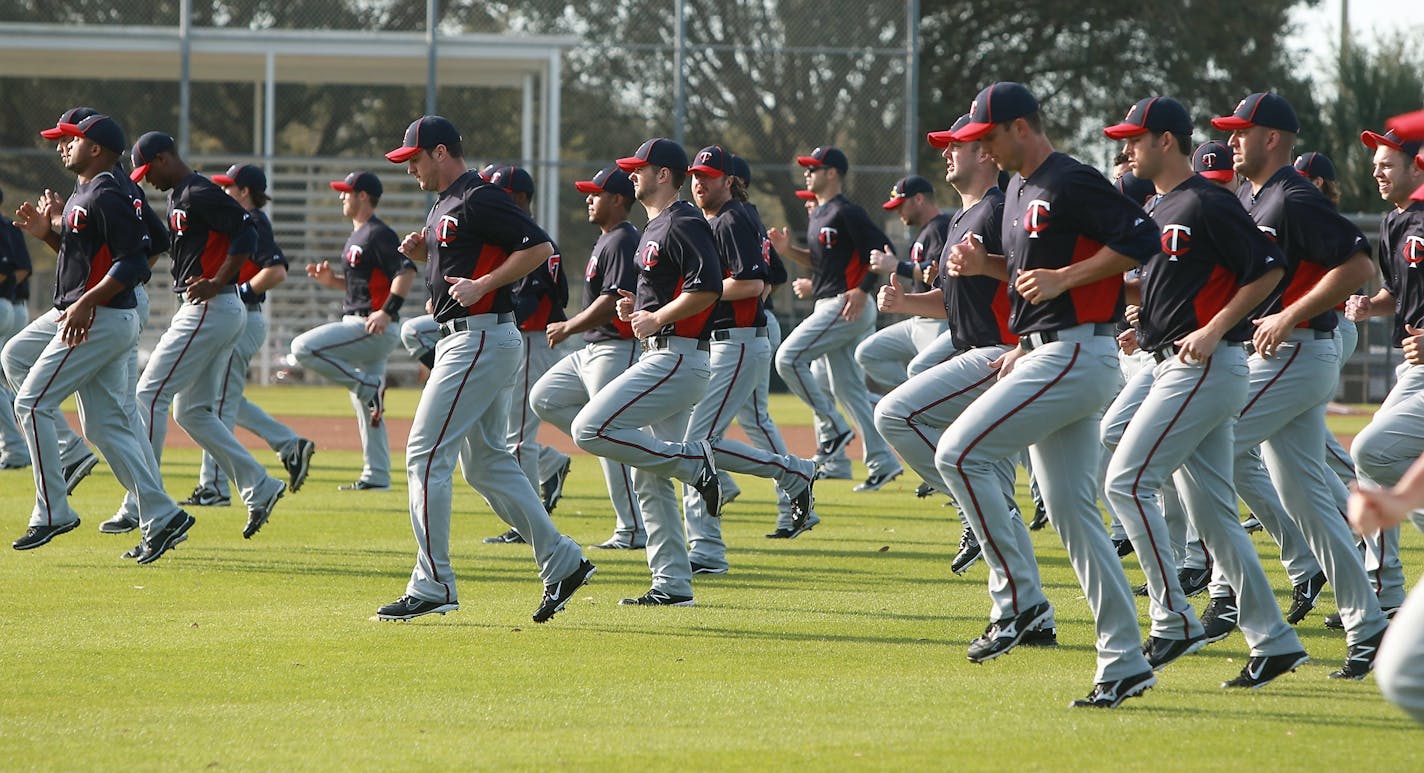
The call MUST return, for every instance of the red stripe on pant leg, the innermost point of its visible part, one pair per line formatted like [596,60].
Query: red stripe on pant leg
[974,498]
[797,358]
[425,485]
[727,393]
[523,412]
[1295,352]
[162,385]
[910,417]
[338,364]
[34,432]
[629,404]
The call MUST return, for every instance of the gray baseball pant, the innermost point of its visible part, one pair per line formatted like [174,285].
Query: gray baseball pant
[1383,452]
[12,445]
[755,420]
[523,437]
[420,335]
[886,354]
[347,354]
[938,350]
[837,464]
[1399,666]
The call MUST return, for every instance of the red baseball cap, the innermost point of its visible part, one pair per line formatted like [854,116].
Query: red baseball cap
[826,155]
[659,151]
[712,161]
[998,103]
[1153,114]
[424,133]
[243,176]
[942,139]
[1409,126]
[906,187]
[1212,160]
[1260,109]
[609,179]
[806,195]
[71,116]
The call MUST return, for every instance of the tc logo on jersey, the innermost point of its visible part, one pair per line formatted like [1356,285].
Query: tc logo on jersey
[138,208]
[591,270]
[917,252]
[1036,219]
[178,222]
[77,218]
[649,256]
[828,237]
[554,261]
[446,229]
[1413,250]
[1176,241]
[766,249]
[352,255]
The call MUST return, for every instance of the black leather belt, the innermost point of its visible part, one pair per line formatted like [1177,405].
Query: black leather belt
[725,334]
[473,322]
[665,342]
[1035,340]
[1172,350]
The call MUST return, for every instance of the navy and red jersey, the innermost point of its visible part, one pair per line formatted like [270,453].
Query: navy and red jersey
[678,255]
[157,229]
[541,295]
[265,255]
[977,307]
[777,276]
[207,226]
[929,245]
[14,257]
[473,228]
[1064,214]
[1401,249]
[610,269]
[840,236]
[743,250]
[103,235]
[1209,249]
[1313,236]
[372,260]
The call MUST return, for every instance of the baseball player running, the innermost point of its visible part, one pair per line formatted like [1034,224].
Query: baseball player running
[353,352]
[14,269]
[1213,269]
[679,281]
[266,269]
[1296,363]
[740,355]
[102,255]
[475,243]
[1068,236]
[212,237]
[841,237]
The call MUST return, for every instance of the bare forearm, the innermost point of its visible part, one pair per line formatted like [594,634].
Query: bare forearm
[1246,298]
[741,289]
[684,306]
[1334,287]
[930,304]
[600,312]
[1105,263]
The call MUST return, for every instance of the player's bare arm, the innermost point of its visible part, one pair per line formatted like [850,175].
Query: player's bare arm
[324,276]
[646,323]
[1332,288]
[969,258]
[37,224]
[1200,344]
[781,240]
[894,300]
[268,278]
[741,289]
[468,291]
[201,288]
[1044,284]
[74,321]
[1360,308]
[602,311]
[413,246]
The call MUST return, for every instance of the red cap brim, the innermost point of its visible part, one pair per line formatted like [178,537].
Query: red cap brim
[1409,126]
[587,186]
[1373,140]
[940,139]
[806,195]
[139,173]
[1230,123]
[630,163]
[705,170]
[1219,175]
[222,179]
[340,185]
[972,132]
[1418,194]
[809,161]
[402,154]
[52,133]
[1122,131]
[893,203]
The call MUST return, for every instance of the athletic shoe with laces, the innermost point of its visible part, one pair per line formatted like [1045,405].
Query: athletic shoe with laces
[878,480]
[801,511]
[1261,670]
[1123,547]
[204,496]
[1161,652]
[1110,695]
[298,464]
[551,490]
[410,607]
[556,595]
[657,598]
[1303,598]
[1140,590]
[119,524]
[261,512]
[1194,581]
[1040,517]
[829,448]
[36,536]
[1042,636]
[1003,635]
[1219,618]
[510,537]
[1359,658]
[362,485]
[707,483]
[969,552]
[74,473]
[923,490]
[155,545]
[793,533]
[1251,524]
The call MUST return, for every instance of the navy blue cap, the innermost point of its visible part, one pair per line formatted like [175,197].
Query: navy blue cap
[146,149]
[740,168]
[658,151]
[359,181]
[942,139]
[97,128]
[609,179]
[424,133]
[243,176]
[1261,109]
[1315,165]
[712,161]
[1153,114]
[998,103]
[1390,139]
[514,179]
[1212,160]
[906,187]
[72,115]
[1135,188]
[826,155]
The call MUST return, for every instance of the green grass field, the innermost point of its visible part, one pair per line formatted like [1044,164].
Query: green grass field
[841,649]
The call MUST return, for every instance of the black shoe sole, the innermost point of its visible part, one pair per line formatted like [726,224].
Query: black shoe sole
[440,610]
[1258,685]
[65,529]
[305,451]
[123,527]
[169,539]
[1037,621]
[543,616]
[255,522]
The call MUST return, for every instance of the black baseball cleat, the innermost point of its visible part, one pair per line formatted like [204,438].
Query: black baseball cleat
[829,448]
[923,490]
[878,480]
[1303,598]
[410,607]
[1042,636]
[1161,653]
[299,464]
[74,473]
[794,532]
[1219,618]
[801,506]
[36,536]
[1194,581]
[1003,635]
[1140,590]
[657,598]
[1260,670]
[14,464]
[203,496]
[1040,517]
[969,552]
[559,593]
[1359,658]
[119,524]
[551,490]
[707,483]
[172,533]
[1123,547]
[1251,524]
[510,537]
[260,513]
[1110,695]
[362,485]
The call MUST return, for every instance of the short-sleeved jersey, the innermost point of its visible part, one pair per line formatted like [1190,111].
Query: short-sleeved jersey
[928,246]
[1401,249]
[1313,236]
[372,261]
[154,224]
[610,269]
[207,226]
[1209,248]
[541,295]
[977,307]
[14,257]
[1064,213]
[265,255]
[743,251]
[473,228]
[678,255]
[778,275]
[103,235]
[840,237]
